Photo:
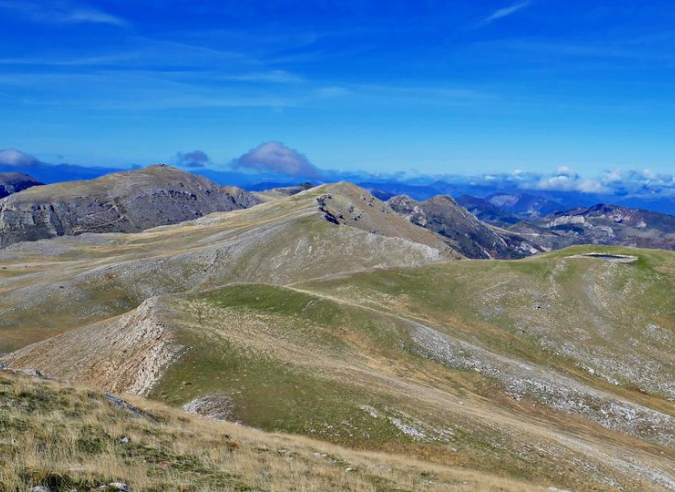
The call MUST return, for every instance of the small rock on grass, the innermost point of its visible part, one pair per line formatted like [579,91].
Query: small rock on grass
[113,486]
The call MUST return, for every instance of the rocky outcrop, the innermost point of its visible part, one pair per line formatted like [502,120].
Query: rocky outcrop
[215,407]
[463,231]
[350,205]
[125,354]
[121,202]
[15,182]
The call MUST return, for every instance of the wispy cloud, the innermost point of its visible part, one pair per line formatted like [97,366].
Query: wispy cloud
[330,92]
[271,76]
[92,61]
[505,12]
[59,13]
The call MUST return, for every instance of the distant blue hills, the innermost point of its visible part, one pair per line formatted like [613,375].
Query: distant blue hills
[383,188]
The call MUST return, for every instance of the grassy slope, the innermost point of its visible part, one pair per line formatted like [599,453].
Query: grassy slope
[531,369]
[53,286]
[590,317]
[70,438]
[511,392]
[591,321]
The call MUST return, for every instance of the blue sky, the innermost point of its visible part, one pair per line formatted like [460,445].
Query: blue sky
[443,87]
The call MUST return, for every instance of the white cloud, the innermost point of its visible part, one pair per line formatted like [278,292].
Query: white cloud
[565,171]
[612,177]
[591,186]
[14,157]
[505,12]
[92,16]
[566,179]
[276,157]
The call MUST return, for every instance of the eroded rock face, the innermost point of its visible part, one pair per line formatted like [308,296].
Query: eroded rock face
[120,202]
[124,354]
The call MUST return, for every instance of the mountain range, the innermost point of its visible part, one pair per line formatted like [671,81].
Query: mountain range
[499,226]
[400,327]
[602,224]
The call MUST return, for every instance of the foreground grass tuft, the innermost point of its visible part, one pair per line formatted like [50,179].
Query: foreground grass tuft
[65,438]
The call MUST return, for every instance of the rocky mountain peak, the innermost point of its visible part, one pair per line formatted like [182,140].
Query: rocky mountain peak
[15,182]
[129,201]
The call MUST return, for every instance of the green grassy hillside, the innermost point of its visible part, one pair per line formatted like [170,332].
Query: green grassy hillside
[49,287]
[325,314]
[527,369]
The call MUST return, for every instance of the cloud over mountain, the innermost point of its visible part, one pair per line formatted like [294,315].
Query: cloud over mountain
[14,157]
[564,179]
[275,157]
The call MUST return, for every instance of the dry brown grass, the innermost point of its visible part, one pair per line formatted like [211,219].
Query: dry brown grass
[71,439]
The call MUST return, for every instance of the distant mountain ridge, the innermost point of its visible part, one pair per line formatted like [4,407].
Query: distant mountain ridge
[129,201]
[280,192]
[524,204]
[15,182]
[487,212]
[602,224]
[543,223]
[464,232]
[383,187]
[504,208]
[501,226]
